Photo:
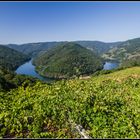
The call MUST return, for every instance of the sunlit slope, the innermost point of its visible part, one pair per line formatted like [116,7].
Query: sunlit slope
[119,75]
[106,106]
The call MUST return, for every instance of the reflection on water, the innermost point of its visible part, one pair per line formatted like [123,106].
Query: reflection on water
[29,69]
[110,65]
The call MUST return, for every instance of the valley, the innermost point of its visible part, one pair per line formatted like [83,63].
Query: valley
[69,70]
[29,69]
[97,94]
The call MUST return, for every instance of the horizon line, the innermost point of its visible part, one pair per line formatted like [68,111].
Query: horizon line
[67,41]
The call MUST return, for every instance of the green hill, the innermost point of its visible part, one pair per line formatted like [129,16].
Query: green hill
[66,61]
[10,58]
[128,53]
[106,106]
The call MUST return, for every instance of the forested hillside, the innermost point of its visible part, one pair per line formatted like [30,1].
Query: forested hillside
[68,60]
[10,59]
[128,53]
[33,49]
[98,46]
[10,80]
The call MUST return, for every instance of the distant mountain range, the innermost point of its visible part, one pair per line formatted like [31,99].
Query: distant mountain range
[122,51]
[34,48]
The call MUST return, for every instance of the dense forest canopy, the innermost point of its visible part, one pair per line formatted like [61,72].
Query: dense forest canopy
[67,60]
[10,58]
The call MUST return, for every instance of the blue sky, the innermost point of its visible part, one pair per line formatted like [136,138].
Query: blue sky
[24,22]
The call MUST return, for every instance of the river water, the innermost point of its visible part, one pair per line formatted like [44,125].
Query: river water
[110,65]
[29,69]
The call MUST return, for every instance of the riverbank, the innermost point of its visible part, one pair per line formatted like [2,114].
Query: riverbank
[29,69]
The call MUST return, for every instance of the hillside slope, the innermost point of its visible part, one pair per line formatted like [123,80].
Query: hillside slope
[98,46]
[106,106]
[66,61]
[33,49]
[127,52]
[10,58]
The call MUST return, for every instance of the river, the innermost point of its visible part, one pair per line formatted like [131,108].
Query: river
[29,69]
[109,65]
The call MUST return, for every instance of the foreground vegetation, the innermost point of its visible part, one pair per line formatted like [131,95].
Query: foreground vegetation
[106,106]
[10,80]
